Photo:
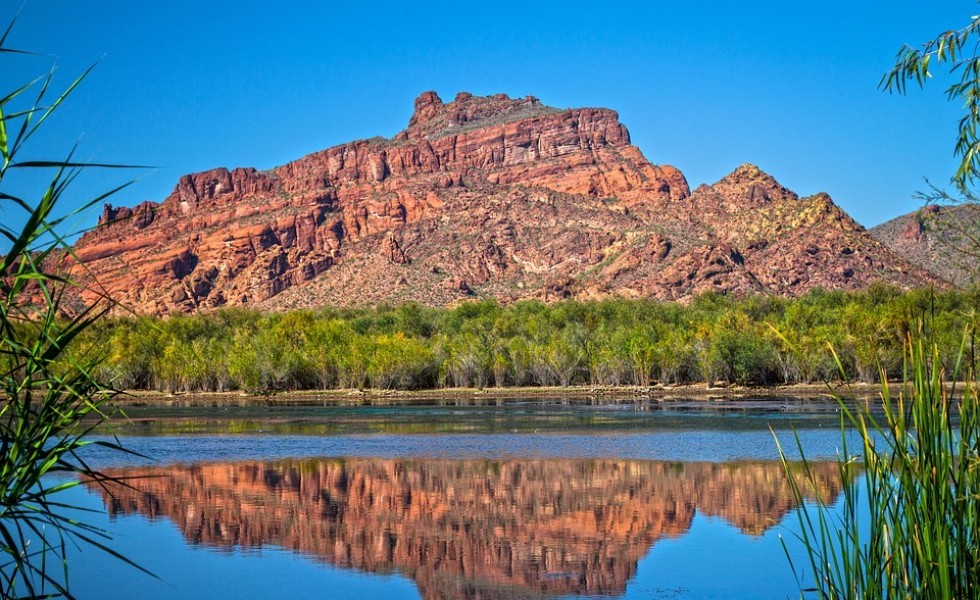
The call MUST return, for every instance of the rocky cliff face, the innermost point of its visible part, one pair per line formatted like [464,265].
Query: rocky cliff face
[944,240]
[464,529]
[487,196]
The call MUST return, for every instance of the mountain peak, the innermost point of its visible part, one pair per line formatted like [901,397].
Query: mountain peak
[747,173]
[753,185]
[434,118]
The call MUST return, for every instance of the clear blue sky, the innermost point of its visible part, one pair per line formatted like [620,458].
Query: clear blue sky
[705,86]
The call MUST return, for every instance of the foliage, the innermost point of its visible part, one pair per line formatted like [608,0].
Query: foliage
[957,51]
[910,526]
[52,400]
[477,344]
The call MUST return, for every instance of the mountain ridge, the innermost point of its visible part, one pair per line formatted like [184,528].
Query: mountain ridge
[941,238]
[488,196]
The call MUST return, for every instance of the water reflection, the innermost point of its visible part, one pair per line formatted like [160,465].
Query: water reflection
[464,528]
[283,418]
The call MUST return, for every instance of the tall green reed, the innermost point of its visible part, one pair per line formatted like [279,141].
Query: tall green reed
[51,402]
[909,521]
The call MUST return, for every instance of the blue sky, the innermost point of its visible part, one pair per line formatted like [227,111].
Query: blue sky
[705,86]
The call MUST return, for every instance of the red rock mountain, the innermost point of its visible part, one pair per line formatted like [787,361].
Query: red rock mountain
[482,196]
[465,529]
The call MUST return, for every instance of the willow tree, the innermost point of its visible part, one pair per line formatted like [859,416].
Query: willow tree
[957,52]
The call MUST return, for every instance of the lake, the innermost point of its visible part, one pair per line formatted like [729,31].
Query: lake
[523,499]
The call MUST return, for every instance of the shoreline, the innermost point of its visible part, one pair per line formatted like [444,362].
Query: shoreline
[611,394]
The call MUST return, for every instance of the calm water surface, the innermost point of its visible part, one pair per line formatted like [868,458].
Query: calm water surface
[521,500]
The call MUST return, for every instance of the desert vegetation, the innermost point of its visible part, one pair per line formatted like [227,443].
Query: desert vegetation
[758,340]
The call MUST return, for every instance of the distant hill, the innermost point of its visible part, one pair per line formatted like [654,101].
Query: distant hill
[483,196]
[944,240]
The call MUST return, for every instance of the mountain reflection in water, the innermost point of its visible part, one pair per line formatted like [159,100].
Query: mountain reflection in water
[464,528]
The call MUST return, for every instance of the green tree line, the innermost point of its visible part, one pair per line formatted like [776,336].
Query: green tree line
[760,340]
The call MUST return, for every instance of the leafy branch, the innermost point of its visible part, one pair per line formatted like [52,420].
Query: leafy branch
[957,50]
